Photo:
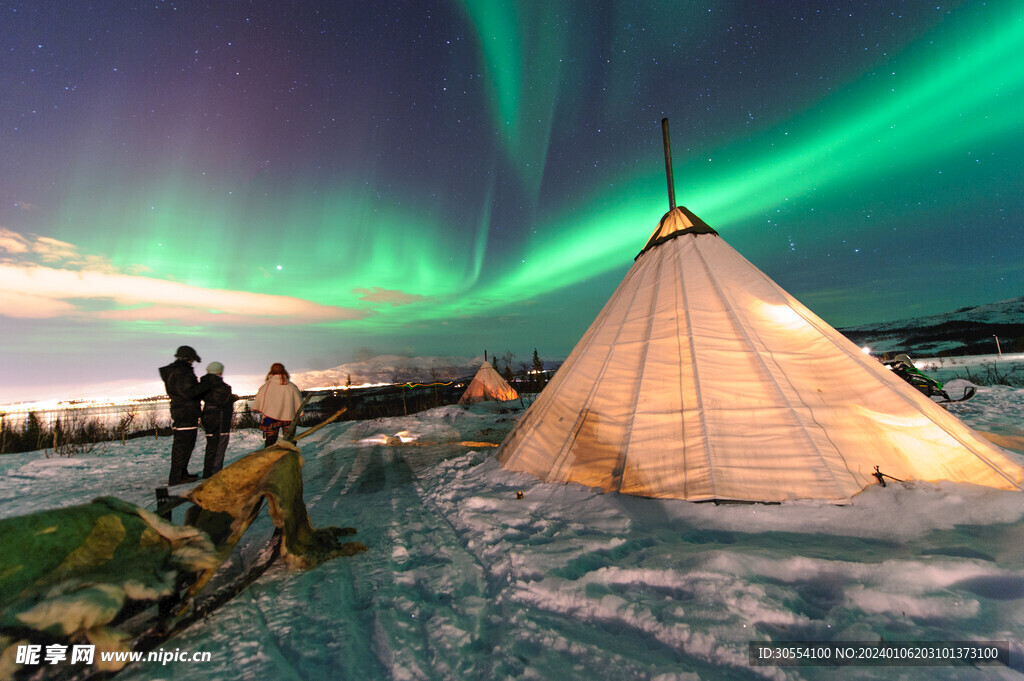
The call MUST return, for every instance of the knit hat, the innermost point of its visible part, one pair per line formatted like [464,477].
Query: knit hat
[215,368]
[187,353]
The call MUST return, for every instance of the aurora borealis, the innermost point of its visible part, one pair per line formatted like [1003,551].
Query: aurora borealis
[299,182]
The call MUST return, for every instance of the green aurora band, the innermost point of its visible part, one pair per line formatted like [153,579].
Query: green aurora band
[945,95]
[948,96]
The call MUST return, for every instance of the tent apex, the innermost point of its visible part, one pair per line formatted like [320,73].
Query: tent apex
[677,222]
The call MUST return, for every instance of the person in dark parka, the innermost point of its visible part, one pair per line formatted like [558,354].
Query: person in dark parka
[218,409]
[180,382]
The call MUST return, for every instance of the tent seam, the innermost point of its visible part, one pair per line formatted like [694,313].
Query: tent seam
[696,381]
[620,463]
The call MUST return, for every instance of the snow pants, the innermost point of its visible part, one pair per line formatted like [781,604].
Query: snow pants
[216,445]
[181,452]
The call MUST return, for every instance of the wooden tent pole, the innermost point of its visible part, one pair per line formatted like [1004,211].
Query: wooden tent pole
[668,164]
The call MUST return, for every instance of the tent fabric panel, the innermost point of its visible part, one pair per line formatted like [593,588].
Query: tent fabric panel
[601,359]
[765,453]
[543,436]
[606,414]
[759,458]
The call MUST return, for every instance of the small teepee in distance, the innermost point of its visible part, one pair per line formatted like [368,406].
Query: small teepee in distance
[488,385]
[702,379]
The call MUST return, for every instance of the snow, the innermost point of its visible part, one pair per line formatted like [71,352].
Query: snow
[463,580]
[944,368]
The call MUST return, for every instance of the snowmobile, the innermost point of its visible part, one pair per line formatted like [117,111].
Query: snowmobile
[904,367]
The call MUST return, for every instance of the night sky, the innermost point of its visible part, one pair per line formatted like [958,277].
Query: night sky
[313,182]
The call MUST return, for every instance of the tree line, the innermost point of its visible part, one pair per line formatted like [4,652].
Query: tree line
[73,432]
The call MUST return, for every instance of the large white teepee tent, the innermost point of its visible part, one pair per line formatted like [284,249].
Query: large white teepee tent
[488,385]
[702,379]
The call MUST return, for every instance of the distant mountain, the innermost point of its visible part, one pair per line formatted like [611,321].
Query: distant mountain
[967,331]
[391,369]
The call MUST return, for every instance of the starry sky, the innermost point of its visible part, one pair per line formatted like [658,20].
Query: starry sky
[312,182]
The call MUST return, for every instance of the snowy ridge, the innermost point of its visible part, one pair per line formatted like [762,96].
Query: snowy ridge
[386,369]
[967,331]
[1009,311]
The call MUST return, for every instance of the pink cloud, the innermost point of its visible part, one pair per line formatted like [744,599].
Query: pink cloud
[388,297]
[53,250]
[38,292]
[12,242]
[27,306]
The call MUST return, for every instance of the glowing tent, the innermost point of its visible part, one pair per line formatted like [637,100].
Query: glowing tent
[702,379]
[488,385]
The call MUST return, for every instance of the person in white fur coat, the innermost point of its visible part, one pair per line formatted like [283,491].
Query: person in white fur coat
[277,400]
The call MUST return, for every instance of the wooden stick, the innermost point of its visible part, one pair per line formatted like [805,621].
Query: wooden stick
[289,432]
[320,425]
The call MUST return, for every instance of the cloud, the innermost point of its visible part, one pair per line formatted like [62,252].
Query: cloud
[54,251]
[388,297]
[12,242]
[42,277]
[20,248]
[36,291]
[27,306]
[184,315]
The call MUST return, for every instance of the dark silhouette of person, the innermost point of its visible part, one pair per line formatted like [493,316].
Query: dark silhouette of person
[218,410]
[180,382]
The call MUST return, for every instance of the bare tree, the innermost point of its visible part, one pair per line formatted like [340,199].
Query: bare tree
[124,422]
[992,374]
[72,434]
[152,421]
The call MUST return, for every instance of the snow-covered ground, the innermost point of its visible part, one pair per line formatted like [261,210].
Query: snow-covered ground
[463,580]
[953,364]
